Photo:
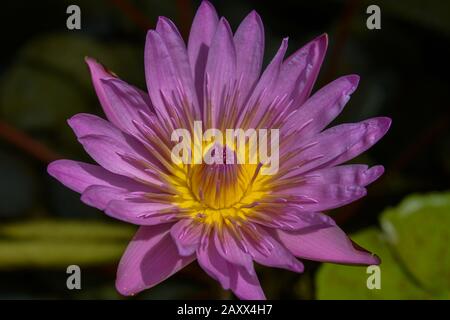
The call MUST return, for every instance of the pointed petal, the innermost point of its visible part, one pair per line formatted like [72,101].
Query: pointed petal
[78,176]
[105,144]
[325,244]
[376,128]
[99,196]
[126,102]
[231,250]
[245,284]
[220,73]
[202,32]
[177,50]
[334,145]
[212,262]
[293,218]
[322,108]
[249,42]
[264,93]
[187,235]
[270,252]
[113,112]
[302,68]
[349,175]
[162,78]
[144,213]
[151,257]
[326,196]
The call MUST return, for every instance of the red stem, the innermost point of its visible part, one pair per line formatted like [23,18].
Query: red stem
[27,143]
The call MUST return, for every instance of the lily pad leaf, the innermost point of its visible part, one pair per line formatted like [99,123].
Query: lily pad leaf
[413,247]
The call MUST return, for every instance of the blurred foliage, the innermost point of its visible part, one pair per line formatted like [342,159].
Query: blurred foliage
[49,81]
[413,247]
[17,185]
[59,243]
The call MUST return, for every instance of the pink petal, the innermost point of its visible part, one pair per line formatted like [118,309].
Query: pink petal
[126,102]
[109,154]
[106,145]
[151,257]
[141,212]
[304,65]
[212,262]
[163,82]
[78,176]
[177,50]
[220,73]
[269,252]
[249,43]
[245,284]
[292,217]
[264,93]
[187,234]
[349,175]
[326,196]
[99,196]
[202,32]
[113,113]
[376,128]
[335,145]
[322,108]
[325,244]
[231,249]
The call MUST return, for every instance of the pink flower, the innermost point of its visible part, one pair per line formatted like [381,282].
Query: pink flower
[224,215]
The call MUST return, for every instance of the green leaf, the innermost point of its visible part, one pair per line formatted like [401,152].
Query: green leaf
[413,249]
[59,243]
[350,282]
[418,230]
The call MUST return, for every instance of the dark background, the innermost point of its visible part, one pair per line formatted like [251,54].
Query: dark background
[43,81]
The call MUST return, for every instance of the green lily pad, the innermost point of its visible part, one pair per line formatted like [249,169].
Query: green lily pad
[350,282]
[59,243]
[412,246]
[418,230]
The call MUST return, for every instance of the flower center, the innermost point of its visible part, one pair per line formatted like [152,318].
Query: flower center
[220,193]
[218,185]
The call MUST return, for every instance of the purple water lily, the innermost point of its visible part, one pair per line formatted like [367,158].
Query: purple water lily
[224,216]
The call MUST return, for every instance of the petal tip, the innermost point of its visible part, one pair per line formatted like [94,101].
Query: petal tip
[385,122]
[164,22]
[89,60]
[254,15]
[378,127]
[322,42]
[206,4]
[375,172]
[54,167]
[206,10]
[124,290]
[376,260]
[354,80]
